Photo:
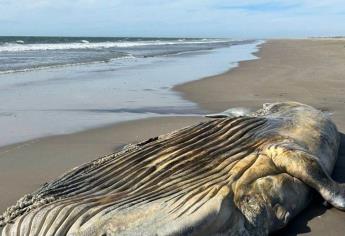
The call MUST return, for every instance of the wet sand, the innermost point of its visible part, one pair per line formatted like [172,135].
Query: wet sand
[308,71]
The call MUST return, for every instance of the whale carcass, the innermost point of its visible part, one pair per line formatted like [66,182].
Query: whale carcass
[245,175]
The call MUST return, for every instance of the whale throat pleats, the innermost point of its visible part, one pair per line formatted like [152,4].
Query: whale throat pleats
[182,170]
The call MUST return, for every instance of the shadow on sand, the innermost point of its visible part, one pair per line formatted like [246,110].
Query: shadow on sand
[299,225]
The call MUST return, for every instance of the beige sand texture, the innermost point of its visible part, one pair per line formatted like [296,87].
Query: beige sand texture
[308,71]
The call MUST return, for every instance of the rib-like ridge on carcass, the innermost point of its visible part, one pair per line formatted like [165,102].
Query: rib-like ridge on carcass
[220,177]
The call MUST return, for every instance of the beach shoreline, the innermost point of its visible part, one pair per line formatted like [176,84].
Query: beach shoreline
[308,71]
[83,97]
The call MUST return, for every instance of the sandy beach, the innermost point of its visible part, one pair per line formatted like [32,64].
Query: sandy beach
[308,71]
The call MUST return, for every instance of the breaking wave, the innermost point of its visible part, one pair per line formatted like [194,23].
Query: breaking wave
[20,45]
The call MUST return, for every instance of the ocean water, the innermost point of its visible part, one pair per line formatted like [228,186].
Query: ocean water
[51,86]
[30,53]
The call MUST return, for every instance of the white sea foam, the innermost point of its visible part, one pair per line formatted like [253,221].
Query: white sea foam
[84,44]
[64,65]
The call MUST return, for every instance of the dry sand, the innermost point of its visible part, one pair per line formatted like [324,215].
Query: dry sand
[309,71]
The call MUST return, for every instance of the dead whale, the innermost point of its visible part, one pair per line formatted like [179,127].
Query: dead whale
[242,175]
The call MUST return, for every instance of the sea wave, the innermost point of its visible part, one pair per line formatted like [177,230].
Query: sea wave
[84,44]
[55,66]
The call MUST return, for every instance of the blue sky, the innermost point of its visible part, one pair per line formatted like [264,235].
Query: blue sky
[177,18]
